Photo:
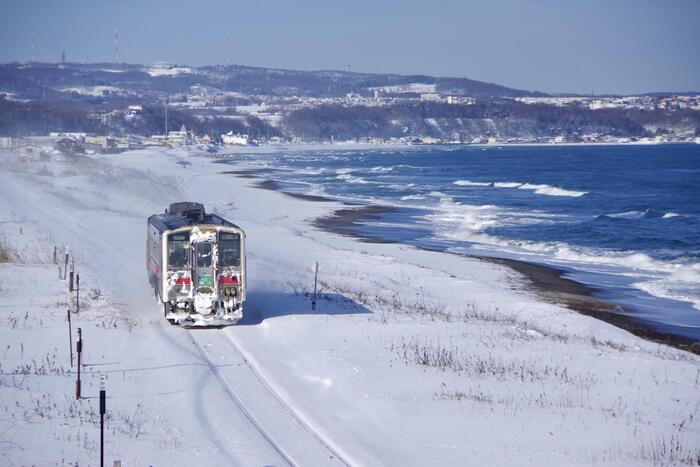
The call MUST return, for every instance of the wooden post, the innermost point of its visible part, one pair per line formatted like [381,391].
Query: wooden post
[70,278]
[55,259]
[103,409]
[77,293]
[79,346]
[70,337]
[65,266]
[313,300]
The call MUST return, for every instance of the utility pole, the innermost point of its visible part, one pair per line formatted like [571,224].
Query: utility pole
[166,118]
[33,46]
[116,45]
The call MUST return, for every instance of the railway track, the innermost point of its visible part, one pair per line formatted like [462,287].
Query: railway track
[285,430]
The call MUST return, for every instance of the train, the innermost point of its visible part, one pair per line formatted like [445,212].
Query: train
[196,265]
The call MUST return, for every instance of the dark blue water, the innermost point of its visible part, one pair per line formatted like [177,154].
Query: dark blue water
[625,219]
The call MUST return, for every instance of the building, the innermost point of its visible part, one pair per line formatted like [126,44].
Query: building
[68,134]
[235,139]
[430,96]
[68,146]
[134,109]
[106,144]
[180,137]
[32,153]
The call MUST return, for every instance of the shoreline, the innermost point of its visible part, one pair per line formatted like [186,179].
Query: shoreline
[547,281]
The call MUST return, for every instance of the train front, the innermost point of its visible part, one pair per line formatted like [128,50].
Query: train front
[205,282]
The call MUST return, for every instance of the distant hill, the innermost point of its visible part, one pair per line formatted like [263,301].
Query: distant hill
[37,98]
[54,81]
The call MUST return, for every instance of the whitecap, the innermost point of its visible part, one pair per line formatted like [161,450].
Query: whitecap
[627,215]
[551,190]
[470,183]
[381,169]
[351,178]
[540,189]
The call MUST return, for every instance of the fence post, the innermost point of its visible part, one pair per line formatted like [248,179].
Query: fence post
[77,293]
[70,278]
[55,260]
[313,300]
[103,409]
[79,346]
[70,337]
[65,265]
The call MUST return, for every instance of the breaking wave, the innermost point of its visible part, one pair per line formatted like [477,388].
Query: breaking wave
[351,178]
[540,189]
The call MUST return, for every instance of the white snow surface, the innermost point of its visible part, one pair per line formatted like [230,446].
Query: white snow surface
[411,358]
[97,91]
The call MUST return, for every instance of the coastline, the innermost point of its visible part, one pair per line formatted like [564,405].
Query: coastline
[547,282]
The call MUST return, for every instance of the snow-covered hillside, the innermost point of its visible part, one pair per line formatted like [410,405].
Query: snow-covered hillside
[411,358]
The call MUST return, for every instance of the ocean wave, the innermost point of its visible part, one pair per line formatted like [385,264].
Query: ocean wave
[676,280]
[681,285]
[351,178]
[412,197]
[399,186]
[551,190]
[646,214]
[470,183]
[540,189]
[626,215]
[381,169]
[345,171]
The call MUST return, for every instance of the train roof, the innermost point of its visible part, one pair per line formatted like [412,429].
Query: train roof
[186,214]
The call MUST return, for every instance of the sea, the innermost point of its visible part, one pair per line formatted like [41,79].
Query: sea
[622,219]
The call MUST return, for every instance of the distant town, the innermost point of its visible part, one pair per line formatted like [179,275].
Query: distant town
[109,108]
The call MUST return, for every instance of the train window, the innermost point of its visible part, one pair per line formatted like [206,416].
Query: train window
[202,252]
[178,246]
[229,249]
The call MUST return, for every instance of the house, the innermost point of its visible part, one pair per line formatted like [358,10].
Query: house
[180,137]
[204,140]
[32,153]
[68,146]
[107,144]
[134,109]
[235,139]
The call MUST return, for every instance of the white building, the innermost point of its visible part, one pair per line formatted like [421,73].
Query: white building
[179,137]
[236,139]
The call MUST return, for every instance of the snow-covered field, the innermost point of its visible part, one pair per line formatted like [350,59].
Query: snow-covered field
[411,358]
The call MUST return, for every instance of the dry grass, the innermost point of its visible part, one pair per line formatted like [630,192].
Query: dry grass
[7,253]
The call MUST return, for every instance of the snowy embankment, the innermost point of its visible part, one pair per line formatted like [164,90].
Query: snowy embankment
[412,357]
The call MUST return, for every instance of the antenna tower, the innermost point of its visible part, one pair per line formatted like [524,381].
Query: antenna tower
[116,45]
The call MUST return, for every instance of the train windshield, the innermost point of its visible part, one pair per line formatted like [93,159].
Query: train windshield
[178,246]
[229,249]
[202,253]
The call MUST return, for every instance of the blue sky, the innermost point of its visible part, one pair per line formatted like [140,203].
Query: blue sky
[613,46]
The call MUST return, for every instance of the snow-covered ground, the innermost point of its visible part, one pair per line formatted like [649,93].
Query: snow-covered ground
[411,358]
